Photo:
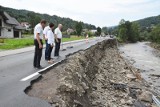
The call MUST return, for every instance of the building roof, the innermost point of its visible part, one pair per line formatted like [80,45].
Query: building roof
[10,20]
[2,14]
[19,27]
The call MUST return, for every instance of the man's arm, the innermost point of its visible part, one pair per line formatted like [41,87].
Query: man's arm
[44,33]
[38,39]
[55,35]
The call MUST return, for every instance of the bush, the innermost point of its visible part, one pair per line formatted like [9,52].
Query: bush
[128,31]
[73,33]
[1,40]
[119,40]
[90,34]
[144,36]
[155,34]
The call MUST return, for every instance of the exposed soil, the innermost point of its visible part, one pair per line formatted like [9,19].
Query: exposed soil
[96,77]
[157,49]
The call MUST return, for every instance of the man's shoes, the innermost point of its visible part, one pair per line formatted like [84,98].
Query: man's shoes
[50,62]
[40,67]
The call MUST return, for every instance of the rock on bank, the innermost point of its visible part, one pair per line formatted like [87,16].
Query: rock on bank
[96,77]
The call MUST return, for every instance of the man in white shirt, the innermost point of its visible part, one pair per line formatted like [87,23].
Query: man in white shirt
[38,36]
[58,37]
[46,38]
[50,42]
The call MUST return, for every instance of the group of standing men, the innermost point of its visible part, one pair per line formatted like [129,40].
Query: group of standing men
[41,31]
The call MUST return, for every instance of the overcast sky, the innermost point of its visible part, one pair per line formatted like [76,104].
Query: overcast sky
[97,12]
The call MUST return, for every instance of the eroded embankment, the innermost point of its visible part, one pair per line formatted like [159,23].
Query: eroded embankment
[96,77]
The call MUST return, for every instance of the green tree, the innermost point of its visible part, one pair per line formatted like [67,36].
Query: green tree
[99,31]
[155,34]
[135,32]
[128,31]
[122,34]
[105,30]
[122,22]
[33,19]
[144,35]
[122,31]
[79,28]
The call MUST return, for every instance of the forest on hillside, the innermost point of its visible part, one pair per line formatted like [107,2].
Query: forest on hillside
[147,29]
[149,22]
[34,18]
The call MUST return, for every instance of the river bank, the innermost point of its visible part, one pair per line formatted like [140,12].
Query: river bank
[96,77]
[156,47]
[145,58]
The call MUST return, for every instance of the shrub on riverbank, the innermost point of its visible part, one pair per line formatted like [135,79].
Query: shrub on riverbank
[128,31]
[155,34]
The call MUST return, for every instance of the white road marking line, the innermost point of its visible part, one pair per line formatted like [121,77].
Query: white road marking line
[38,72]
[30,76]
[49,66]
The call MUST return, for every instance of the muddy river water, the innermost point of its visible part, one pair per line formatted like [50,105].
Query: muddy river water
[143,57]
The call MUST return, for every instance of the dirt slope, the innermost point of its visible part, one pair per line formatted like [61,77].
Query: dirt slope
[96,77]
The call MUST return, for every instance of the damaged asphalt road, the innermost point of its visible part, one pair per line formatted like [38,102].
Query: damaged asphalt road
[15,67]
[95,77]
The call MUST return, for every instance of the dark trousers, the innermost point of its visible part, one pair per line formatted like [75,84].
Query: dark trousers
[37,54]
[49,51]
[57,47]
[46,50]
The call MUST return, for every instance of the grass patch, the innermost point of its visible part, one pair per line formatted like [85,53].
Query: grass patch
[25,42]
[15,43]
[72,38]
[27,35]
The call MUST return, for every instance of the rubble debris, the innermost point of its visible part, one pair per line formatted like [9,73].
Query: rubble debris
[139,104]
[96,77]
[119,86]
[145,96]
[131,76]
[155,75]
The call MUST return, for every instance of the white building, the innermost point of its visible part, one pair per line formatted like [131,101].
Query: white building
[9,26]
[26,25]
[93,31]
[69,31]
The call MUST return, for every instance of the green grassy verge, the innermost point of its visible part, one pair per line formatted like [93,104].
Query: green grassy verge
[24,42]
[72,38]
[15,43]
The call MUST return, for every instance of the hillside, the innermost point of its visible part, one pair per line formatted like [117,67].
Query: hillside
[33,18]
[150,21]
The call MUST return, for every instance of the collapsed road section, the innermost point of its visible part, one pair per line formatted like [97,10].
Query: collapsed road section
[95,77]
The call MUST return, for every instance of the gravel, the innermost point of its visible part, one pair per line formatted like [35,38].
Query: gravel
[96,77]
